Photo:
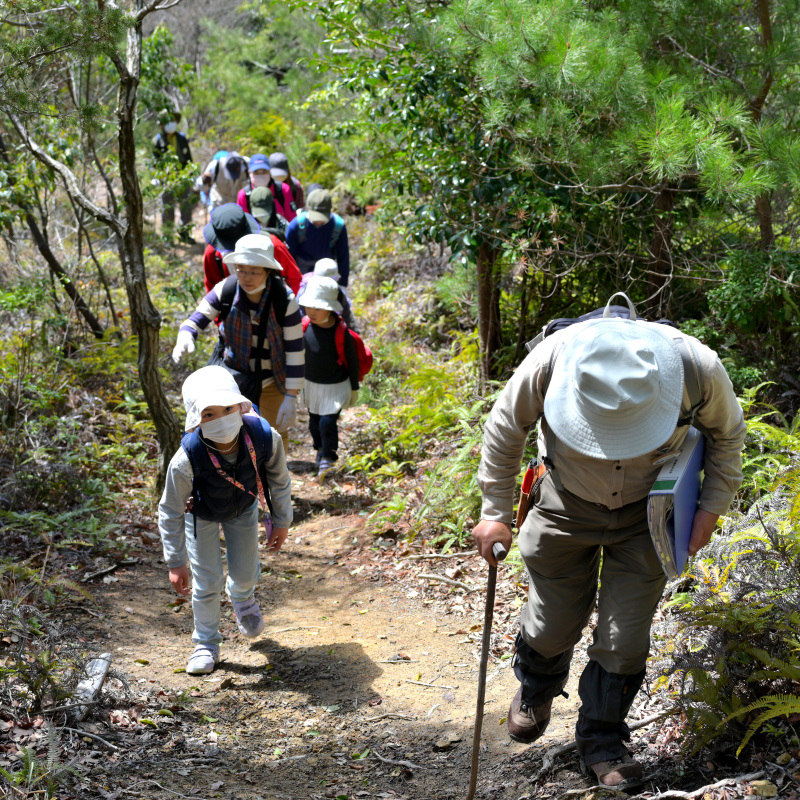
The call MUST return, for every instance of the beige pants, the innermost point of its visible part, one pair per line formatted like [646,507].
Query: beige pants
[561,542]
[271,399]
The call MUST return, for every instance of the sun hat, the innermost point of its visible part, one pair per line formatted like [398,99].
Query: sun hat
[615,389]
[262,204]
[254,250]
[322,293]
[327,268]
[228,224]
[210,386]
[319,205]
[258,161]
[279,166]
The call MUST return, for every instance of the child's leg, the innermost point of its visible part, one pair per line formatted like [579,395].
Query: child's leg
[313,429]
[329,435]
[208,579]
[241,543]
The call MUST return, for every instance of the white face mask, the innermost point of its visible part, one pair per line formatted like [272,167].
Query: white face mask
[171,127]
[260,180]
[223,429]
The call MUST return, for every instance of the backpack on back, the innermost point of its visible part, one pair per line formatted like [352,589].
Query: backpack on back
[302,230]
[363,353]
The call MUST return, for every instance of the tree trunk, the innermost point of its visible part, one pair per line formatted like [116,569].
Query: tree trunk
[660,254]
[145,319]
[764,212]
[488,311]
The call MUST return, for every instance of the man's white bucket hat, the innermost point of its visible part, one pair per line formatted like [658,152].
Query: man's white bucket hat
[254,250]
[321,293]
[210,386]
[616,388]
[327,268]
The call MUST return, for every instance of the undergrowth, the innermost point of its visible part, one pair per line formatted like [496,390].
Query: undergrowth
[729,648]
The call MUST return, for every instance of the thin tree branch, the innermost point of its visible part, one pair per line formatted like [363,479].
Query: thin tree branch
[71,181]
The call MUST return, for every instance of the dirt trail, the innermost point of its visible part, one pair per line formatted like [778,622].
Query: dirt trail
[361,666]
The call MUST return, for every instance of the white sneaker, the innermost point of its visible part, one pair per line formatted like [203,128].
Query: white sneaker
[248,617]
[203,659]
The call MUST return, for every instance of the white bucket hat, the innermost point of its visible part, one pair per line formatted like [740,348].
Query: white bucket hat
[254,250]
[321,293]
[210,386]
[327,268]
[616,388]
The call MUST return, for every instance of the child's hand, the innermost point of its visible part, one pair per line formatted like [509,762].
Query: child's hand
[179,578]
[277,539]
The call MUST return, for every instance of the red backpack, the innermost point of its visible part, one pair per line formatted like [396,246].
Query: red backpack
[363,352]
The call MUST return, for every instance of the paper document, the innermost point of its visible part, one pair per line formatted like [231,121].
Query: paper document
[673,502]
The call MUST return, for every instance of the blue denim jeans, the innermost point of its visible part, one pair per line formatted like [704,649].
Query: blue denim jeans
[208,577]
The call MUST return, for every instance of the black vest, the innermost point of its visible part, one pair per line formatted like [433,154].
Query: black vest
[215,498]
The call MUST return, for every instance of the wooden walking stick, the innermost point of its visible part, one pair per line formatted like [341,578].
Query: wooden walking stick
[499,552]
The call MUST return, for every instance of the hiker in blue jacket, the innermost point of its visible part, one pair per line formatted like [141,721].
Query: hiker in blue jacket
[230,462]
[318,233]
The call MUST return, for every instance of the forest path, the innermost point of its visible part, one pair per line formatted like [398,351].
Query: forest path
[311,707]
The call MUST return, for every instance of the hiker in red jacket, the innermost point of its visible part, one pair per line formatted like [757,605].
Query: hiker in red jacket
[228,224]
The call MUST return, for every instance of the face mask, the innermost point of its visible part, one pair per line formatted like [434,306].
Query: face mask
[223,429]
[171,127]
[259,288]
[260,180]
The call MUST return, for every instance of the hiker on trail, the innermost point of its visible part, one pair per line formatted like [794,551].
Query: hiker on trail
[260,331]
[319,233]
[279,169]
[261,204]
[223,178]
[331,381]
[230,462]
[281,191]
[170,139]
[228,224]
[612,401]
[328,268]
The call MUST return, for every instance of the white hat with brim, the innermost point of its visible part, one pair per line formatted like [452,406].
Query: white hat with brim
[254,250]
[615,390]
[210,386]
[322,293]
[327,268]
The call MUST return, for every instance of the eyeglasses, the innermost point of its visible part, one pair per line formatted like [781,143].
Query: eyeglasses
[249,273]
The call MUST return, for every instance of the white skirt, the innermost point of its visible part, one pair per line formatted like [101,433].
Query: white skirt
[326,398]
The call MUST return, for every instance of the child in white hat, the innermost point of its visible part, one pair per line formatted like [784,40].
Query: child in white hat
[331,381]
[328,268]
[230,462]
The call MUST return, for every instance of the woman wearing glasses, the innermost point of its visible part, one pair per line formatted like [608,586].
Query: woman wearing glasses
[260,329]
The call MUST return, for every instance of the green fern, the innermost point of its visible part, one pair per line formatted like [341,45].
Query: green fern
[775,705]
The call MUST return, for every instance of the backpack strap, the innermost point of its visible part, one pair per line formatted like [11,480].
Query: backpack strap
[248,190]
[341,330]
[227,296]
[693,381]
[338,227]
[302,227]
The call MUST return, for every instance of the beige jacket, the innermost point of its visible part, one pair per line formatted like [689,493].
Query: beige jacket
[609,483]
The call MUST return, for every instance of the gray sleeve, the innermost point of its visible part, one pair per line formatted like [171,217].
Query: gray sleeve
[517,408]
[171,517]
[280,484]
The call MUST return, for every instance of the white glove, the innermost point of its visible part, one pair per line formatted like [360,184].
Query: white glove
[183,345]
[353,398]
[287,413]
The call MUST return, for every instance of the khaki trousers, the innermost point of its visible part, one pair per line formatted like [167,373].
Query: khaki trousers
[271,399]
[561,542]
